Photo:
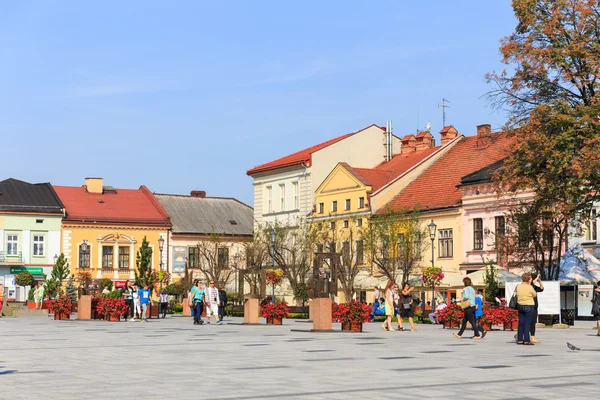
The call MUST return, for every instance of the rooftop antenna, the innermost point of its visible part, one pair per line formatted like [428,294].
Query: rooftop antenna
[428,127]
[443,107]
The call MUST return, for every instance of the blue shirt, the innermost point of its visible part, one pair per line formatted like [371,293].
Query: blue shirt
[197,294]
[144,296]
[479,302]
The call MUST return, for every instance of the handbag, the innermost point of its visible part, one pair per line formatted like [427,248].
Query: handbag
[513,300]
[465,304]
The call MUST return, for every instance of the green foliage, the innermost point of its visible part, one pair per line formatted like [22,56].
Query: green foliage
[60,272]
[105,283]
[300,293]
[30,294]
[177,308]
[115,294]
[175,289]
[491,283]
[24,279]
[71,290]
[143,274]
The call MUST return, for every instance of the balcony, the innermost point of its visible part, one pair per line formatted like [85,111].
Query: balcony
[6,258]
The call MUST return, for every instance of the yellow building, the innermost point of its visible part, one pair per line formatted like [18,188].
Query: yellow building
[104,228]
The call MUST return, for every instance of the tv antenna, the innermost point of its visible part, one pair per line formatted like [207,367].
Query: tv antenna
[443,106]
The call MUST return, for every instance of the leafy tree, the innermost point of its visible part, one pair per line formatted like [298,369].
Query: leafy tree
[24,279]
[60,272]
[143,274]
[551,95]
[214,262]
[105,283]
[491,282]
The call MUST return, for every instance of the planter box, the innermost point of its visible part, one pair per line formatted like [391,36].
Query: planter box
[451,325]
[357,327]
[154,310]
[486,327]
[513,325]
[114,318]
[274,321]
[61,316]
[30,304]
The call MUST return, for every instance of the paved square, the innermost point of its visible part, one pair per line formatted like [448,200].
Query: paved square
[168,359]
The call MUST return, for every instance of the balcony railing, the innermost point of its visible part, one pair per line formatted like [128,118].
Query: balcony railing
[11,258]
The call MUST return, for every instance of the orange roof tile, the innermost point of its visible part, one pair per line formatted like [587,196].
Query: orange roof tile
[422,134]
[436,188]
[302,156]
[134,206]
[447,128]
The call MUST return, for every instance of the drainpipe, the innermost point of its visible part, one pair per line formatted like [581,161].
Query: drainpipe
[305,186]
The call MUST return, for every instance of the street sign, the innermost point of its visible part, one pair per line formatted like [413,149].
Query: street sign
[31,270]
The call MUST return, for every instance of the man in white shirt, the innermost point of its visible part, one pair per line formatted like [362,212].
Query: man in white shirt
[433,316]
[375,294]
[212,303]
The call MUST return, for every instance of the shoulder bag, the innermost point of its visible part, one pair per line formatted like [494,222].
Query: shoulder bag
[513,300]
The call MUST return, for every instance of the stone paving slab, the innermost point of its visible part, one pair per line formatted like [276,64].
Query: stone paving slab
[165,359]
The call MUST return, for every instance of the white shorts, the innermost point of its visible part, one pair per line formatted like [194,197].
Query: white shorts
[213,309]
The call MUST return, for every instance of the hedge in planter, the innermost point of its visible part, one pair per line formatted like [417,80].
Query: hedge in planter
[24,279]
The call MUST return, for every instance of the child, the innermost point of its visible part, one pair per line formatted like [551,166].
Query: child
[136,303]
[144,301]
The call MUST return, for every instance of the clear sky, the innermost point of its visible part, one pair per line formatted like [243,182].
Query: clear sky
[182,95]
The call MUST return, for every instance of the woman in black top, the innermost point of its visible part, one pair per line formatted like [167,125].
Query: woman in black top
[406,307]
[596,305]
[538,286]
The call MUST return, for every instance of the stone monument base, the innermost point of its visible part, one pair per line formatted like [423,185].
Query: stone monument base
[251,309]
[321,317]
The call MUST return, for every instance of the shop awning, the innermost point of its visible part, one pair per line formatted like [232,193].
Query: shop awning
[502,276]
[451,280]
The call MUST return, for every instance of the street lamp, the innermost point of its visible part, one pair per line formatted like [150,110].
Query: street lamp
[236,262]
[273,238]
[432,227]
[55,259]
[161,245]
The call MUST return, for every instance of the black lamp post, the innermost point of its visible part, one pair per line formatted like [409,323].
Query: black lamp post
[161,245]
[273,239]
[432,228]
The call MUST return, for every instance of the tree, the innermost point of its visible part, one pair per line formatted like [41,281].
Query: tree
[251,262]
[143,262]
[491,282]
[71,290]
[24,279]
[60,272]
[552,99]
[214,259]
[394,243]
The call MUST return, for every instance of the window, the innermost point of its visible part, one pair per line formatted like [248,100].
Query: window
[591,233]
[84,256]
[39,221]
[417,251]
[500,223]
[38,245]
[346,253]
[331,247]
[107,256]
[12,245]
[361,202]
[282,197]
[193,257]
[523,230]
[347,204]
[321,208]
[359,222]
[445,243]
[334,206]
[345,223]
[320,226]
[332,225]
[222,257]
[269,199]
[547,236]
[360,251]
[124,257]
[478,234]
[296,190]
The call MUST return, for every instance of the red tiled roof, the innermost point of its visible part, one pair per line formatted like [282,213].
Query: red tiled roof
[134,206]
[436,188]
[422,134]
[408,137]
[302,156]
[447,128]
[387,171]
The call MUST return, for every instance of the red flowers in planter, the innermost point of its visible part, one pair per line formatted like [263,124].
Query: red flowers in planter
[274,276]
[452,313]
[60,306]
[277,310]
[112,307]
[498,315]
[353,311]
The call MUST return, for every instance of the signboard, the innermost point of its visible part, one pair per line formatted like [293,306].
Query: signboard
[548,300]
[31,270]
[179,254]
[9,281]
[119,284]
[585,294]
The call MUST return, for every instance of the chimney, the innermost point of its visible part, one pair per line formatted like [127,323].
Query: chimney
[424,141]
[93,185]
[484,136]
[409,144]
[448,133]
[198,193]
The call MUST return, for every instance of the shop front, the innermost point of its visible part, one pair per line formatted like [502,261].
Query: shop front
[13,292]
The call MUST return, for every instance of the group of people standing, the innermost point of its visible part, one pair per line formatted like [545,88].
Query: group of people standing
[138,300]
[212,299]
[400,304]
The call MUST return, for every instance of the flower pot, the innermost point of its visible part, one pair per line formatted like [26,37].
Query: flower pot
[30,304]
[61,316]
[357,326]
[274,321]
[486,326]
[346,326]
[114,318]
[512,325]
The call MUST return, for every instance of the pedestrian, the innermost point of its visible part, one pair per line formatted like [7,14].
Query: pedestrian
[596,306]
[525,305]
[211,296]
[479,312]
[38,295]
[196,295]
[222,302]
[163,301]
[1,298]
[468,307]
[538,286]
[135,295]
[105,290]
[145,301]
[397,310]
[127,294]
[406,310]
[389,307]
[433,317]
[376,294]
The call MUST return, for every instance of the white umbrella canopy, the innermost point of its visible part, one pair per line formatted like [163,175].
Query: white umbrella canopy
[574,267]
[502,276]
[451,280]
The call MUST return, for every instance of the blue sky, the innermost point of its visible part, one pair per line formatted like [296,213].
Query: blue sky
[189,95]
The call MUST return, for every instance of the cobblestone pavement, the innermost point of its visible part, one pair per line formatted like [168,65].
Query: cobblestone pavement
[168,359]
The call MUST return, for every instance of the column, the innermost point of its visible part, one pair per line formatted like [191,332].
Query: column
[116,259]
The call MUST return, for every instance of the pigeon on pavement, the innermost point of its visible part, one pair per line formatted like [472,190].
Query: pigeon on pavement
[571,347]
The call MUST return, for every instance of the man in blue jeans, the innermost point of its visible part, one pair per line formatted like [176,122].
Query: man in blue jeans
[144,301]
[479,312]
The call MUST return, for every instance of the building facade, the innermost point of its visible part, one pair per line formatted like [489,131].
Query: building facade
[30,222]
[104,227]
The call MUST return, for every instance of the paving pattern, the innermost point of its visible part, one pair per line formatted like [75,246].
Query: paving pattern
[172,359]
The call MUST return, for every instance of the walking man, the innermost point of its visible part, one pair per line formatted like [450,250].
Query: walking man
[145,297]
[222,302]
[212,302]
[479,312]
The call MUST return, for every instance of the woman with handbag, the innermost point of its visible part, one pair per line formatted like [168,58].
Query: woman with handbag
[389,307]
[526,306]
[468,306]
[406,308]
[596,305]
[196,296]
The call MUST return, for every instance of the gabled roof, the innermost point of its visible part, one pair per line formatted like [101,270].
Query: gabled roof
[206,215]
[302,156]
[423,134]
[447,128]
[20,196]
[485,174]
[437,187]
[131,206]
[387,171]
